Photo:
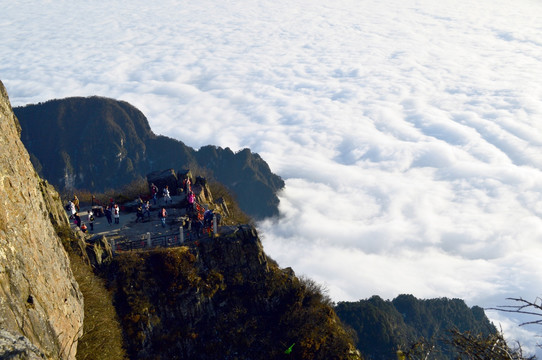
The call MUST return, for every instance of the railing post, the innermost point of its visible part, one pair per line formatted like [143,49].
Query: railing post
[181,235]
[113,248]
[215,225]
[149,243]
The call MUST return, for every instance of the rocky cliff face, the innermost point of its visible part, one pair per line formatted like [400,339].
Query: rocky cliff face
[40,302]
[222,298]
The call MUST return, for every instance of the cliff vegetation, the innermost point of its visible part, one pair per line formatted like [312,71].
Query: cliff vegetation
[222,299]
[385,327]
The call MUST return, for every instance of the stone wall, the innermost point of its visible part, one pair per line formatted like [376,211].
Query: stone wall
[39,297]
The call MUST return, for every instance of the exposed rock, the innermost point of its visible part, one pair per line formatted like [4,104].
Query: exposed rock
[162,178]
[99,252]
[222,206]
[202,191]
[18,347]
[39,297]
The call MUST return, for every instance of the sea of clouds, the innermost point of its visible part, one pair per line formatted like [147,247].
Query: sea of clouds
[409,133]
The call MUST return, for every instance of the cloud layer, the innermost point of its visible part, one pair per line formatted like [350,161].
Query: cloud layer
[408,132]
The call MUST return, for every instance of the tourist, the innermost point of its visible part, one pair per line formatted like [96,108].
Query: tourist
[72,209]
[154,192]
[77,219]
[186,185]
[197,226]
[208,218]
[76,202]
[139,214]
[163,216]
[165,194]
[108,215]
[116,213]
[147,209]
[90,219]
[191,201]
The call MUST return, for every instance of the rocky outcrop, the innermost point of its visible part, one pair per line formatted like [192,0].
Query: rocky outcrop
[18,347]
[99,252]
[222,298]
[164,178]
[39,298]
[202,191]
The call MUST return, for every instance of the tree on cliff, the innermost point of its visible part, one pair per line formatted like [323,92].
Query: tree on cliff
[384,327]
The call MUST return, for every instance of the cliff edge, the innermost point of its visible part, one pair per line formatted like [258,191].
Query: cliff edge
[222,298]
[40,301]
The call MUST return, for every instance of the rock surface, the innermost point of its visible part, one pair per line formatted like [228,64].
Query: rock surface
[15,347]
[162,178]
[39,297]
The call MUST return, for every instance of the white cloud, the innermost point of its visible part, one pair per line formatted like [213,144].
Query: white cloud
[408,133]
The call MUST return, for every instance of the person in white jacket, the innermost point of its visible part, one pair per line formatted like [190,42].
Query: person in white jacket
[116,213]
[165,194]
[90,220]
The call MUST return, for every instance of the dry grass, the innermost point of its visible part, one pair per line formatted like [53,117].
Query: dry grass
[127,192]
[237,216]
[102,333]
[101,330]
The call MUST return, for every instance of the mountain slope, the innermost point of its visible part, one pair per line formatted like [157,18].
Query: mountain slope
[383,327]
[97,143]
[222,298]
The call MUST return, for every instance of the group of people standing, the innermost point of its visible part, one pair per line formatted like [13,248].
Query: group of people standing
[198,217]
[111,212]
[165,194]
[143,209]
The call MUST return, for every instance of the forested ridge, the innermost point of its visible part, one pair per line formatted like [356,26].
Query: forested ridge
[383,327]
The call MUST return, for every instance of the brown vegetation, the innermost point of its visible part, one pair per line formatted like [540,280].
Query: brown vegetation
[102,333]
[182,303]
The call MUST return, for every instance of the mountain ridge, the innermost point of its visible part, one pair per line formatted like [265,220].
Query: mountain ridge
[97,143]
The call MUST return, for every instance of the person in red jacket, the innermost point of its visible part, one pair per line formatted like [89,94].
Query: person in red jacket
[163,216]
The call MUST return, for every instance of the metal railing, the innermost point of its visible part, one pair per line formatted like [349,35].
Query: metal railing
[184,236]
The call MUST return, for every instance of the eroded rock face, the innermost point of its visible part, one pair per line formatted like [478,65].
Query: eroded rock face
[39,297]
[17,347]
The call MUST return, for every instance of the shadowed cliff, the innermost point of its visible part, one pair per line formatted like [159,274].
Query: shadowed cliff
[222,298]
[383,327]
[97,144]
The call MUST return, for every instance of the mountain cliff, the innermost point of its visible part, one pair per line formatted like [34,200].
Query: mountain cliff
[41,307]
[222,298]
[383,327]
[97,143]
